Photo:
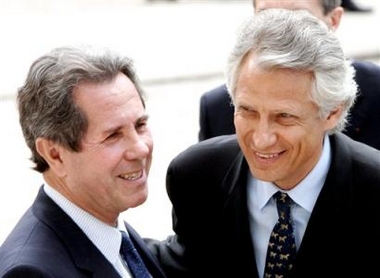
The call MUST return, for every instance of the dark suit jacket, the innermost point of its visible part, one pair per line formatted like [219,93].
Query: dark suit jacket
[216,110]
[207,185]
[47,243]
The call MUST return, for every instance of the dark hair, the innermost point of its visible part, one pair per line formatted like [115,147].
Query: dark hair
[45,101]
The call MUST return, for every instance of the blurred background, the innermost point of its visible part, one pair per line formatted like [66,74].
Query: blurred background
[179,48]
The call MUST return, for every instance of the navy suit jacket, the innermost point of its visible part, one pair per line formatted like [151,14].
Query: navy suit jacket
[46,242]
[217,112]
[207,185]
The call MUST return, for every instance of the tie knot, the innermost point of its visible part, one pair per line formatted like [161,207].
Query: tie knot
[282,198]
[283,202]
[126,243]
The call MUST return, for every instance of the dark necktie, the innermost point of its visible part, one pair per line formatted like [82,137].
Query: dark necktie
[133,259]
[281,248]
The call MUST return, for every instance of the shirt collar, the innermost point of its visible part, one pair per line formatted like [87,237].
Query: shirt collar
[104,236]
[305,194]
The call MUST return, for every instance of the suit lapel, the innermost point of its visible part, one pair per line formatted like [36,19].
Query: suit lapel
[235,213]
[329,218]
[84,253]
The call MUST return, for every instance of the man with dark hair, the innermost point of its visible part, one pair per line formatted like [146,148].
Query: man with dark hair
[82,113]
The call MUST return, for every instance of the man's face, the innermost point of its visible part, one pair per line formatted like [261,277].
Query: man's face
[109,174]
[278,126]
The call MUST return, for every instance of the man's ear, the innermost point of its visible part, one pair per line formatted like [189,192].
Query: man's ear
[335,17]
[51,152]
[334,117]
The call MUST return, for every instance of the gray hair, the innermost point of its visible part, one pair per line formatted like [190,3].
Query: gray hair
[284,39]
[45,101]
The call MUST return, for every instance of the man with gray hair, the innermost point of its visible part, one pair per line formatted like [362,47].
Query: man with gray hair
[216,110]
[82,113]
[283,197]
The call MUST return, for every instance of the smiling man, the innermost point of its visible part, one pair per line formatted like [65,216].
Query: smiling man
[83,117]
[216,110]
[289,195]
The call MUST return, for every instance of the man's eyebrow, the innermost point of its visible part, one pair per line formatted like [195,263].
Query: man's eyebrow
[144,117]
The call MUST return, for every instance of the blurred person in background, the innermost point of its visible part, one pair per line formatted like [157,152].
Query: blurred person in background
[292,88]
[83,117]
[216,109]
[351,6]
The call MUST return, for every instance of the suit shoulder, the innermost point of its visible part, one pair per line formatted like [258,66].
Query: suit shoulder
[220,148]
[25,239]
[366,66]
[362,155]
[219,92]
[367,158]
[28,248]
[25,270]
[367,76]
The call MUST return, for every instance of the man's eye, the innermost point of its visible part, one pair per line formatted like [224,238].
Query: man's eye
[141,124]
[113,135]
[285,115]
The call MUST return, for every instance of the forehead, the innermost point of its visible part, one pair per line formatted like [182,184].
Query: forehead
[254,81]
[310,5]
[108,97]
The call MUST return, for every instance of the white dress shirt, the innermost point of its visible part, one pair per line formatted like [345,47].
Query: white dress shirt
[263,209]
[105,237]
